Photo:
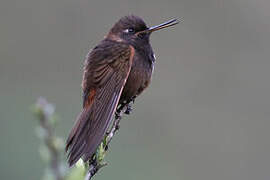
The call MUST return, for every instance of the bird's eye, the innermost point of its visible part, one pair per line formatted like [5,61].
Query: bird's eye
[129,30]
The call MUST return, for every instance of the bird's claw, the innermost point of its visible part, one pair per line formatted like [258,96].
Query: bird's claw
[128,109]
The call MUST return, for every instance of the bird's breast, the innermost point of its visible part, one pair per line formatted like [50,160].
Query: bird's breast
[139,77]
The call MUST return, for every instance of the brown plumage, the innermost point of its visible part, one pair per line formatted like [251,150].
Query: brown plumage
[115,72]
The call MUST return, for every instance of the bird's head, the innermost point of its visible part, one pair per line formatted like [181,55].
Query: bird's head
[133,30]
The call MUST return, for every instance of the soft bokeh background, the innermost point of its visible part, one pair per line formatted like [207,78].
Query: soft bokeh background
[206,115]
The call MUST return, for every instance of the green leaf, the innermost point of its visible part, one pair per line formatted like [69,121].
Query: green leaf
[77,172]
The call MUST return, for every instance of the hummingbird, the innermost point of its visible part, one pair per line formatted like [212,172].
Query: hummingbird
[115,72]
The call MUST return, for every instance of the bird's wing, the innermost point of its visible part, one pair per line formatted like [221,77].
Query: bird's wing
[105,73]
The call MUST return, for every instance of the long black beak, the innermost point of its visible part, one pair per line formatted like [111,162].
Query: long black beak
[169,23]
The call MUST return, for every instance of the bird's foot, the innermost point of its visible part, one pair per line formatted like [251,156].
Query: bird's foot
[128,109]
[128,105]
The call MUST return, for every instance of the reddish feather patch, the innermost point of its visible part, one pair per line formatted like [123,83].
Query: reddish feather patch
[90,98]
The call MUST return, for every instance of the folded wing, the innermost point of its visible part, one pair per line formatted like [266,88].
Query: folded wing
[105,73]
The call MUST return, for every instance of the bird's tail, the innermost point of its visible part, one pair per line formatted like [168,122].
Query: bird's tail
[76,142]
[92,123]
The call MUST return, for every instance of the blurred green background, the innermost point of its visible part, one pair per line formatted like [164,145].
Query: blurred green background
[205,116]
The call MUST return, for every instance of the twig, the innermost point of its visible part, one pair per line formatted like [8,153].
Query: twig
[44,112]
